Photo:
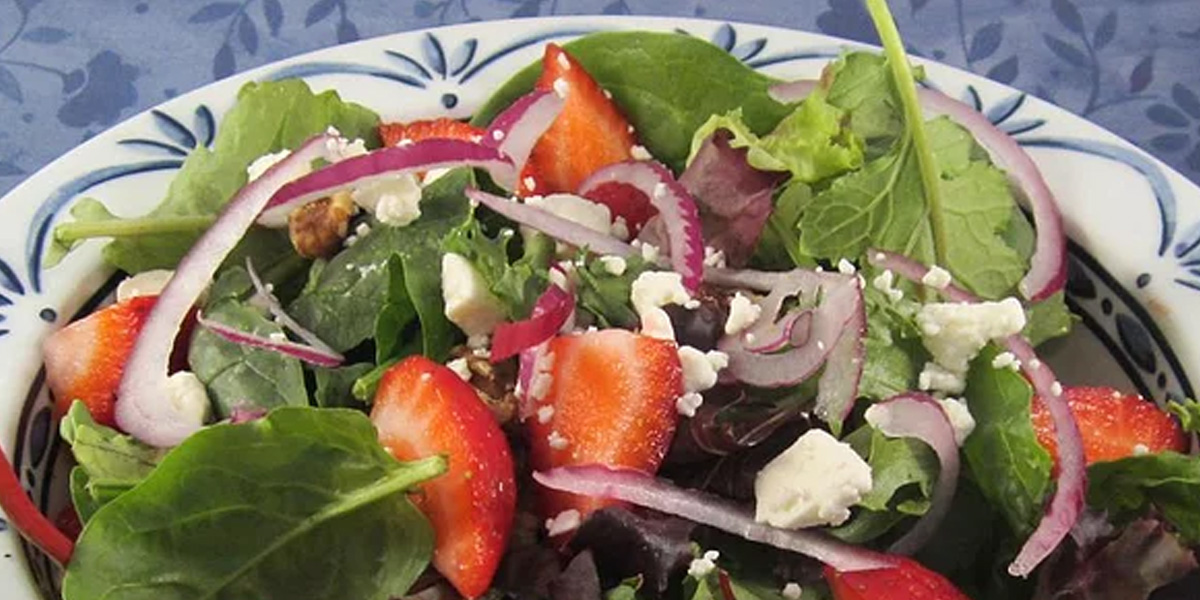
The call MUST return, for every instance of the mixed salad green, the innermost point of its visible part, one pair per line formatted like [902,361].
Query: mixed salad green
[809,309]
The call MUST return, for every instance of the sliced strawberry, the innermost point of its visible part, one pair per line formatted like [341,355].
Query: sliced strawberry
[624,201]
[908,580]
[85,360]
[423,408]
[428,129]
[1113,424]
[589,133]
[611,401]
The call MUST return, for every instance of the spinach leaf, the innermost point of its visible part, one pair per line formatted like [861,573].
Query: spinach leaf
[626,590]
[1003,454]
[605,295]
[268,117]
[861,86]
[1188,413]
[666,84]
[239,376]
[303,503]
[895,354]
[334,385]
[396,316]
[896,464]
[516,285]
[343,294]
[779,243]
[109,462]
[424,285]
[1168,482]
[1048,319]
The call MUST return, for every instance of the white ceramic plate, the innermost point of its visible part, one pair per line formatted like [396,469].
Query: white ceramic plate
[1135,224]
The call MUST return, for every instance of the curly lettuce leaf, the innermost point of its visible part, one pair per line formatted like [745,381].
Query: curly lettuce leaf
[516,283]
[110,463]
[1167,482]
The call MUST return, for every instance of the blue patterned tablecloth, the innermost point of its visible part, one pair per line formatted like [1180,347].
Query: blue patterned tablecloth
[71,68]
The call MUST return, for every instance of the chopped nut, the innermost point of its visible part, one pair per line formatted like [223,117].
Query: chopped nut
[318,228]
[496,383]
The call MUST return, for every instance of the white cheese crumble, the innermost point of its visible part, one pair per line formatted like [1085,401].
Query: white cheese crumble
[395,201]
[743,313]
[460,368]
[561,87]
[261,164]
[469,303]
[704,566]
[530,182]
[277,336]
[884,282]
[653,290]
[619,229]
[544,414]
[792,591]
[1056,388]
[935,377]
[563,62]
[714,258]
[959,416]
[1140,450]
[543,369]
[649,251]
[362,229]
[593,215]
[814,482]
[846,267]
[188,397]
[1006,360]
[955,332]
[614,265]
[497,134]
[700,368]
[564,522]
[556,440]
[146,283]
[639,152]
[479,341]
[688,404]
[937,278]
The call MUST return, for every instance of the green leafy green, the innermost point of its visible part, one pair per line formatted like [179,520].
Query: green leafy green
[1168,482]
[92,219]
[606,296]
[709,588]
[666,84]
[1048,319]
[355,282]
[263,510]
[393,335]
[424,285]
[1188,413]
[334,386]
[517,284]
[779,243]
[896,464]
[811,143]
[1010,466]
[626,590]
[861,86]
[894,352]
[268,117]
[364,387]
[109,462]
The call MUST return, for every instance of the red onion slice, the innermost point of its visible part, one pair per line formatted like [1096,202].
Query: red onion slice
[308,354]
[142,408]
[1067,503]
[842,299]
[1048,265]
[517,130]
[837,389]
[919,416]
[527,364]
[281,316]
[564,230]
[640,489]
[676,209]
[552,310]
[793,329]
[425,155]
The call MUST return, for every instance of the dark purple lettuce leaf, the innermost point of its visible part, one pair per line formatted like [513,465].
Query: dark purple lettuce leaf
[1141,559]
[734,198]
[579,581]
[625,545]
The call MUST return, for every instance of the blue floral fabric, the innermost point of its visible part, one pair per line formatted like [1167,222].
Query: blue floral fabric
[71,68]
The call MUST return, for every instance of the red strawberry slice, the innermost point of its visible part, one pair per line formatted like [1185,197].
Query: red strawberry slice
[610,401]
[428,129]
[589,133]
[624,201]
[85,360]
[1113,424]
[423,408]
[908,580]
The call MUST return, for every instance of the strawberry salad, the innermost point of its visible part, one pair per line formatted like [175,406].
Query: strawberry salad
[650,325]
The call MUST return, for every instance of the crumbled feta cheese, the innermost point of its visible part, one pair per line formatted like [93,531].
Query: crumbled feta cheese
[564,522]
[1006,360]
[704,566]
[660,190]
[814,482]
[563,61]
[884,282]
[937,278]
[556,440]
[935,377]
[339,148]
[146,283]
[544,414]
[743,313]
[714,258]
[959,416]
[649,251]
[593,215]
[542,378]
[792,591]
[650,292]
[955,332]
[619,229]
[362,229]
[561,87]
[530,182]
[188,397]
[846,267]
[688,404]
[395,201]
[469,303]
[497,134]
[1140,450]
[1037,364]
[1056,388]
[277,336]
[266,161]
[615,265]
[460,368]
[656,323]
[700,368]
[639,152]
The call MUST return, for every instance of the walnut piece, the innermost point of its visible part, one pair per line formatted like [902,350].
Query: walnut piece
[318,228]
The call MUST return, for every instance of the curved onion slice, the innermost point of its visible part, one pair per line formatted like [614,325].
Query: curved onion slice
[281,316]
[1048,265]
[640,489]
[552,310]
[1067,503]
[842,300]
[142,408]
[917,415]
[516,130]
[793,329]
[308,354]
[837,389]
[676,209]
[563,230]
[425,155]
